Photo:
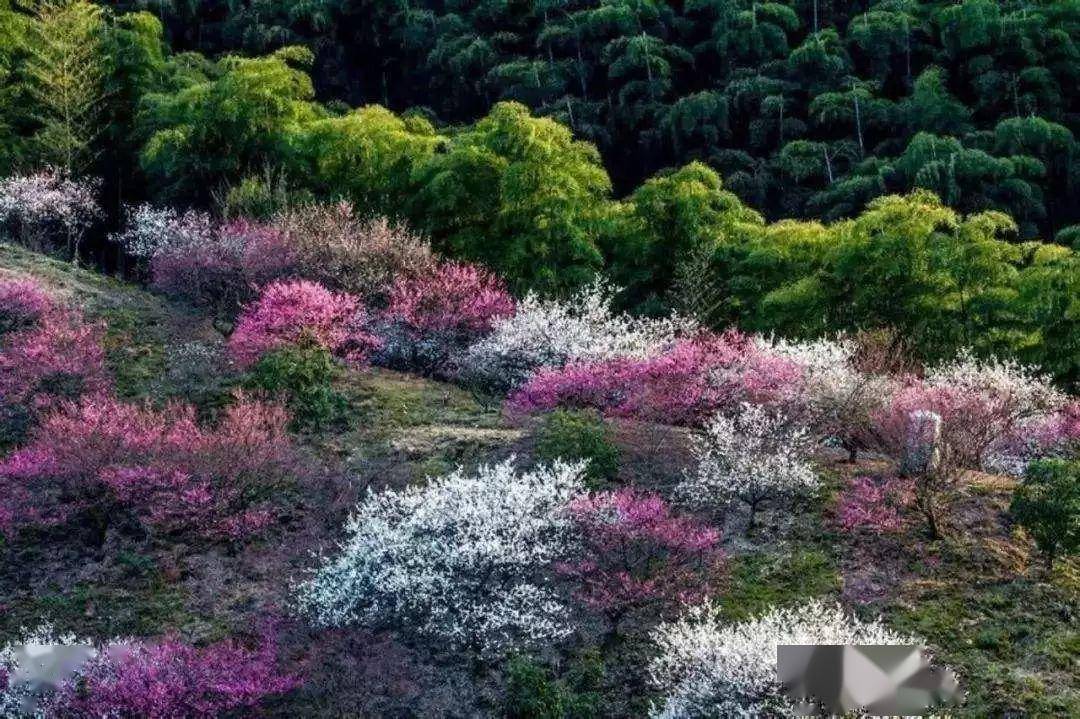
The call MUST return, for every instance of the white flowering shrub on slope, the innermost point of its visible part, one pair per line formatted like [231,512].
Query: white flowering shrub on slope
[551,333]
[757,455]
[459,562]
[708,669]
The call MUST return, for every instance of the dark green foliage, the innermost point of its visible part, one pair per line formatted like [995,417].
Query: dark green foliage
[1047,504]
[744,86]
[574,435]
[533,693]
[304,377]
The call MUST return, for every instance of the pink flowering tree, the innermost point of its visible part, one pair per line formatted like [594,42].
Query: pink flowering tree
[101,460]
[947,422]
[175,680]
[1055,435]
[875,505]
[433,316]
[302,313]
[638,555]
[192,257]
[685,385]
[48,210]
[48,355]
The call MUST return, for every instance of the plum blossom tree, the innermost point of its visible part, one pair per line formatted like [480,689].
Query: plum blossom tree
[433,317]
[757,455]
[102,459]
[48,354]
[1055,435]
[23,303]
[192,257]
[838,398]
[874,505]
[637,554]
[706,668]
[693,380]
[554,332]
[48,210]
[342,249]
[459,561]
[978,402]
[172,679]
[300,313]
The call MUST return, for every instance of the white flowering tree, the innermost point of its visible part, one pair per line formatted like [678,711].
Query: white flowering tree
[840,400]
[551,333]
[47,208]
[759,454]
[151,230]
[706,668]
[460,561]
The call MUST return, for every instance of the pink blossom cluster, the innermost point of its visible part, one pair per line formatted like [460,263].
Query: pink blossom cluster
[48,354]
[874,505]
[175,680]
[979,403]
[171,474]
[298,312]
[638,553]
[23,303]
[219,265]
[686,385]
[456,297]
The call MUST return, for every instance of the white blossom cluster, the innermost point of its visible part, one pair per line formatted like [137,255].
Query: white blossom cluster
[14,699]
[458,561]
[706,668]
[45,200]
[1019,391]
[756,454]
[839,398]
[150,230]
[551,333]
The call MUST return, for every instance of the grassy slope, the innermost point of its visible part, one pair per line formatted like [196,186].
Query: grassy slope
[977,599]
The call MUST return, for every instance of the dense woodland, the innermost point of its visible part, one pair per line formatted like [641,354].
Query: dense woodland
[545,359]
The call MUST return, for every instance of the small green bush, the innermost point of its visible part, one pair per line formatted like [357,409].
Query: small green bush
[304,377]
[575,435]
[533,693]
[1047,504]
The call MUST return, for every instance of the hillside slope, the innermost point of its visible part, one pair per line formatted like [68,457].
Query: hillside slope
[978,598]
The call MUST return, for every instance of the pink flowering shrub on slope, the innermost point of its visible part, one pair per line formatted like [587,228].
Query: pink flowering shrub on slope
[192,257]
[874,505]
[638,554]
[174,680]
[90,459]
[300,312]
[48,354]
[686,385]
[23,303]
[430,317]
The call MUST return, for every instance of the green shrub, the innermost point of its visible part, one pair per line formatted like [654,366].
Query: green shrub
[304,377]
[1047,504]
[575,435]
[533,693]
